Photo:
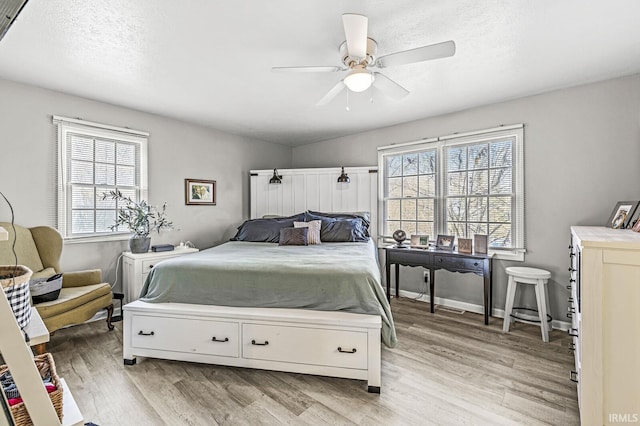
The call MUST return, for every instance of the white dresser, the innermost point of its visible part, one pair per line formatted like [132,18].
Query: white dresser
[605,313]
[136,267]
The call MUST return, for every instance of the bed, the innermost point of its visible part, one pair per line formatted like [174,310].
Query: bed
[315,309]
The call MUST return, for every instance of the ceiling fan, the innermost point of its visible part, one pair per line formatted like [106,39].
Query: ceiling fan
[358,55]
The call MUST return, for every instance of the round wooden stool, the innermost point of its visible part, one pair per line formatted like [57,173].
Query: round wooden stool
[538,278]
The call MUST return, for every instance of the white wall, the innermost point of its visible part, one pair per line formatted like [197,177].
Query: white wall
[582,155]
[177,150]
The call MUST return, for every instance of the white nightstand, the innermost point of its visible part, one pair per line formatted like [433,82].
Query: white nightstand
[136,267]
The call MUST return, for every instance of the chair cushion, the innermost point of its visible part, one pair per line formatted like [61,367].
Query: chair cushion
[71,298]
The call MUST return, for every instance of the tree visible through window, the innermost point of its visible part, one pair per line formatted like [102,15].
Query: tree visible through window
[456,187]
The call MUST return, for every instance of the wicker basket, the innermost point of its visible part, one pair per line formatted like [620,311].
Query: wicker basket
[17,292]
[45,366]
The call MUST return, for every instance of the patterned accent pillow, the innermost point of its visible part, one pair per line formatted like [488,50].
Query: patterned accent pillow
[314,230]
[294,237]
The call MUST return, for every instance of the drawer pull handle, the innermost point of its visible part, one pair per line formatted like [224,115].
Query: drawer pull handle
[572,270]
[352,351]
[213,339]
[572,280]
[573,332]
[573,376]
[569,287]
[569,315]
[570,300]
[571,309]
[142,333]
[475,264]
[266,342]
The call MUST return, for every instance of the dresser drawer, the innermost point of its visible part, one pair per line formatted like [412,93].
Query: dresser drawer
[474,265]
[302,345]
[148,264]
[151,332]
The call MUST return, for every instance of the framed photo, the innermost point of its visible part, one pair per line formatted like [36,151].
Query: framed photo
[420,241]
[480,244]
[200,192]
[622,214]
[636,226]
[465,245]
[445,242]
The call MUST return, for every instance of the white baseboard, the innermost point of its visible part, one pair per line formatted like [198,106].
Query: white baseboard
[472,307]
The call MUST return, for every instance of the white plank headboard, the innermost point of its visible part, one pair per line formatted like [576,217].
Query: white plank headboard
[316,189]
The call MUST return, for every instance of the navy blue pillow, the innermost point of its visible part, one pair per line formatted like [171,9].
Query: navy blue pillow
[265,230]
[340,230]
[366,219]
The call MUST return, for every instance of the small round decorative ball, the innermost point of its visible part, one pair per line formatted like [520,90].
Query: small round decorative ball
[399,236]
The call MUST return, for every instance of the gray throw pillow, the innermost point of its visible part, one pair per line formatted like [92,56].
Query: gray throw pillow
[265,230]
[294,237]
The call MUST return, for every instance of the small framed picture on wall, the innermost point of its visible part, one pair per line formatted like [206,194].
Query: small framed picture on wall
[200,192]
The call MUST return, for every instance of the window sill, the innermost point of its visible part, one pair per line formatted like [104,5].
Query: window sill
[517,256]
[96,239]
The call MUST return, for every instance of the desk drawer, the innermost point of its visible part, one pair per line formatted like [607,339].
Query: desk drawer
[458,264]
[409,257]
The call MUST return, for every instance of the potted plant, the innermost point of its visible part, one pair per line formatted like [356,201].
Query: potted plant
[140,218]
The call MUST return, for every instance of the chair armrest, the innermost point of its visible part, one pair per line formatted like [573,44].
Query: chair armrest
[81,278]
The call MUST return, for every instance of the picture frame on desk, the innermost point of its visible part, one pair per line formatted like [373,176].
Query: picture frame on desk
[622,214]
[465,245]
[420,241]
[480,244]
[445,242]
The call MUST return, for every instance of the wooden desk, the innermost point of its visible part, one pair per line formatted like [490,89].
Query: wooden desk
[479,264]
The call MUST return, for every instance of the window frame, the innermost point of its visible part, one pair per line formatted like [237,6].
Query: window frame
[514,132]
[93,130]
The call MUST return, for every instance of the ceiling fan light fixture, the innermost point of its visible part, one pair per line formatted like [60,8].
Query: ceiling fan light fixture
[359,80]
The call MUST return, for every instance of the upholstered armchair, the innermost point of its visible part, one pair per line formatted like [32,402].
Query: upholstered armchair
[83,293]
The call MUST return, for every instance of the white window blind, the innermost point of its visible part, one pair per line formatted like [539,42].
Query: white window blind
[458,185]
[93,160]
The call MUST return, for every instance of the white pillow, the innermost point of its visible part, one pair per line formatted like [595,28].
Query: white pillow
[314,230]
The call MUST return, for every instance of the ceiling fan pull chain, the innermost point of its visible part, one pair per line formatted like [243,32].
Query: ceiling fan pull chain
[347,108]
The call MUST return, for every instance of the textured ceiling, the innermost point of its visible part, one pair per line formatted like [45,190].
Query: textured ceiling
[209,62]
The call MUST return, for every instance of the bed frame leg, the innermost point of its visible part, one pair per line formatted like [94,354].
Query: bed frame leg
[373,389]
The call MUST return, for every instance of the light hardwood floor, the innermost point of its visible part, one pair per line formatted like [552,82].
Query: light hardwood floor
[447,369]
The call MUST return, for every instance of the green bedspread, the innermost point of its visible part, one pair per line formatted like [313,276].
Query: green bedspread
[325,277]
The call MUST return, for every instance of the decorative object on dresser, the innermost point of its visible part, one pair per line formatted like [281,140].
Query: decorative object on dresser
[445,242]
[399,236]
[480,245]
[622,214]
[140,218]
[465,245]
[538,278]
[136,267]
[200,192]
[604,285]
[419,241]
[636,226]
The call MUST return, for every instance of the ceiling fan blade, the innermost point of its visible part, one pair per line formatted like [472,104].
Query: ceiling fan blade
[306,69]
[355,29]
[419,54]
[389,87]
[335,91]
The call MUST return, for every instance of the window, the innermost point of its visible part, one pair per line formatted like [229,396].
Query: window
[457,185]
[95,159]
